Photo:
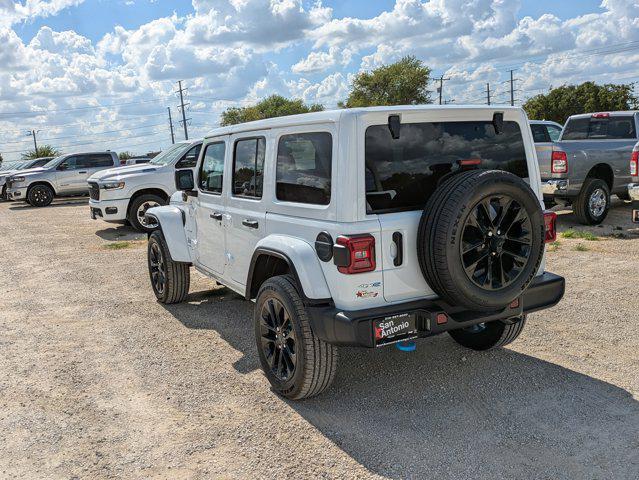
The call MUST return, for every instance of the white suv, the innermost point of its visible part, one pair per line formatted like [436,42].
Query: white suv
[363,227]
[126,193]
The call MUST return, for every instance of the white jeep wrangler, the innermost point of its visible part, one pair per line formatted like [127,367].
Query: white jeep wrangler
[363,227]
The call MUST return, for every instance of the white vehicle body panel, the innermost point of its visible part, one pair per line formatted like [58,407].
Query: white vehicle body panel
[223,248]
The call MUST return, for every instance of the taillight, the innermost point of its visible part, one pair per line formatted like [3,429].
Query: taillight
[550,222]
[559,162]
[356,255]
[601,115]
[634,164]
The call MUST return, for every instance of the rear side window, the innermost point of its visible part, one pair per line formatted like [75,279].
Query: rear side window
[94,161]
[540,134]
[248,167]
[402,174]
[304,168]
[606,128]
[212,169]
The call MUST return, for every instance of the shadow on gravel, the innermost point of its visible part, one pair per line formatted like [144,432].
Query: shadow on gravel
[120,233]
[498,414]
[58,202]
[617,224]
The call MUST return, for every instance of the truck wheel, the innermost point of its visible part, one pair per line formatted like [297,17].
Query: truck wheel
[170,279]
[592,205]
[137,212]
[40,196]
[297,363]
[481,239]
[3,195]
[485,336]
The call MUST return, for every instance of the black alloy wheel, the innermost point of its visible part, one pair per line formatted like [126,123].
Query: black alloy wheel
[277,339]
[496,242]
[157,268]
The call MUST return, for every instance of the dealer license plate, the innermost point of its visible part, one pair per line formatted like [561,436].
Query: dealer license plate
[395,328]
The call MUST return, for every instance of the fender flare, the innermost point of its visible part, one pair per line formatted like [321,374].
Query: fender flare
[171,221]
[303,264]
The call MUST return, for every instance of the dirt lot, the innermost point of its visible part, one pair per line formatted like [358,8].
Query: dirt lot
[98,380]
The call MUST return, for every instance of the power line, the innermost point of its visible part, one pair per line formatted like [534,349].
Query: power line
[91,107]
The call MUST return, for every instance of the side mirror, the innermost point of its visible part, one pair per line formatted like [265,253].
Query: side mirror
[184,181]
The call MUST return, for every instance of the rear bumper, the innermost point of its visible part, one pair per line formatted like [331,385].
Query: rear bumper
[355,328]
[109,210]
[553,187]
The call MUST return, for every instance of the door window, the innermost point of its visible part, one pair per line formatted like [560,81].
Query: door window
[248,167]
[211,174]
[69,163]
[540,135]
[554,133]
[94,161]
[190,158]
[304,168]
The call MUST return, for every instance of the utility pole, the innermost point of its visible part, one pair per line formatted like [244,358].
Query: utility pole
[183,108]
[32,133]
[512,89]
[488,93]
[441,87]
[171,126]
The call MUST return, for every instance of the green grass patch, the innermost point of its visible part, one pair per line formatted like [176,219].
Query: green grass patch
[579,234]
[581,248]
[554,246]
[117,245]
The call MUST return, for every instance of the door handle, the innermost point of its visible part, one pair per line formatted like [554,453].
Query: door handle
[398,240]
[216,216]
[79,173]
[250,223]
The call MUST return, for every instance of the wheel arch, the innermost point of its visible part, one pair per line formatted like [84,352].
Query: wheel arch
[604,172]
[171,221]
[279,254]
[147,191]
[41,182]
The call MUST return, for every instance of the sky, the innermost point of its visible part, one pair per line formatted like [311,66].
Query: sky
[100,74]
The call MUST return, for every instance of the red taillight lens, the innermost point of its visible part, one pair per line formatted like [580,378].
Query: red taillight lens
[559,162]
[634,164]
[550,222]
[360,256]
[600,115]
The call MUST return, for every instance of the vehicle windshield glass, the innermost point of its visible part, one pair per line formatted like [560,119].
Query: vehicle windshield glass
[52,163]
[170,154]
[402,174]
[11,166]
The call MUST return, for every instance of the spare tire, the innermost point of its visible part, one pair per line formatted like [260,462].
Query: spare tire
[481,239]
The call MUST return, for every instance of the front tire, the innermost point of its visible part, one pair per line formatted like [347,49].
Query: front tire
[137,212]
[296,363]
[489,335]
[593,203]
[40,196]
[170,279]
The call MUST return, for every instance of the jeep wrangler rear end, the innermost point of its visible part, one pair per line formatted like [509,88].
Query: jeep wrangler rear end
[364,227]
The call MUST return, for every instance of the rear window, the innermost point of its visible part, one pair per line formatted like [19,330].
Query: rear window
[402,174]
[611,128]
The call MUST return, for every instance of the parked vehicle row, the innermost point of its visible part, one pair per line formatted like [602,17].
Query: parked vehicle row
[11,168]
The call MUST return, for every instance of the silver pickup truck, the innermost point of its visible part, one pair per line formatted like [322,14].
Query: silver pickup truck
[589,162]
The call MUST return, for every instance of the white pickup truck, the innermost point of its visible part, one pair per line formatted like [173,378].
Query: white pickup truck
[126,193]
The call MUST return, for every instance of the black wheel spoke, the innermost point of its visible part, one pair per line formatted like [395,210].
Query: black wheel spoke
[470,269]
[475,246]
[277,338]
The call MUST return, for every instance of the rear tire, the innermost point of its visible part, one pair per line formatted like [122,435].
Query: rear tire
[296,363]
[593,203]
[170,279]
[489,335]
[138,208]
[40,196]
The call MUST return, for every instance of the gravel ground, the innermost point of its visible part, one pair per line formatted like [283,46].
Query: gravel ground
[98,380]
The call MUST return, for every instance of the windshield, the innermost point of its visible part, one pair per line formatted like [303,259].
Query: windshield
[52,163]
[11,166]
[170,154]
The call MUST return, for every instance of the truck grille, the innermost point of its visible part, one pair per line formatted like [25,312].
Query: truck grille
[94,191]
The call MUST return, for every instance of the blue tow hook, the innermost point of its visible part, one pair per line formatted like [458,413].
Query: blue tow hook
[407,346]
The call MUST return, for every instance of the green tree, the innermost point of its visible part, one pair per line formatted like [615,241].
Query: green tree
[559,103]
[273,106]
[401,83]
[42,151]
[125,155]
